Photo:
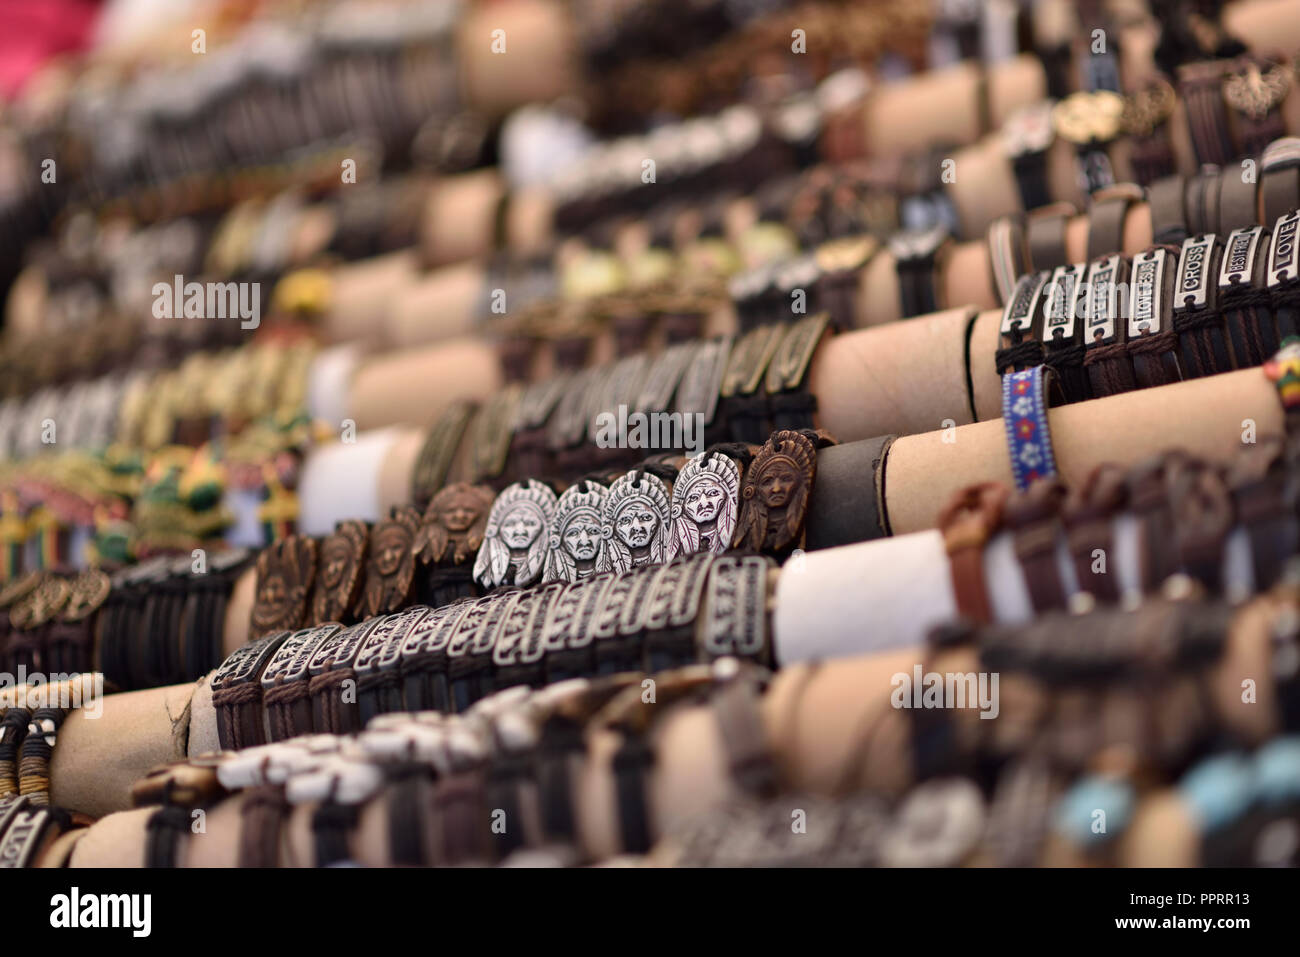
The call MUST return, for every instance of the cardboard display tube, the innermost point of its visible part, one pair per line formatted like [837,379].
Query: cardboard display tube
[361,292]
[460,217]
[442,304]
[342,480]
[539,60]
[115,841]
[328,380]
[239,609]
[414,387]
[930,109]
[1204,417]
[103,750]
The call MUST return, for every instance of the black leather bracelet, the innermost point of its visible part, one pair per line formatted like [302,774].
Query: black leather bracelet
[1062,332]
[1284,275]
[1152,344]
[1018,348]
[1244,299]
[1202,342]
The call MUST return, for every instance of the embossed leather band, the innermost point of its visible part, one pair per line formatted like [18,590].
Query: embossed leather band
[850,503]
[967,523]
[1089,514]
[1034,519]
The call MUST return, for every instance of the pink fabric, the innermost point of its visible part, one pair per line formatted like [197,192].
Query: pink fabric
[32,31]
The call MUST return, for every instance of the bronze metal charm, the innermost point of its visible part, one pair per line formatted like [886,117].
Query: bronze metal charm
[285,571]
[452,529]
[576,546]
[635,528]
[706,499]
[342,554]
[514,544]
[390,567]
[775,493]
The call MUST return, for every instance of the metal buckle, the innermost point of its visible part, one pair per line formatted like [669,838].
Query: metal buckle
[735,621]
[1283,266]
[1239,254]
[701,384]
[1063,303]
[1102,301]
[1023,304]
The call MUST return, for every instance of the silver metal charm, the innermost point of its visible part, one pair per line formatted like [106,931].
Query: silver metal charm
[514,544]
[575,546]
[706,501]
[635,525]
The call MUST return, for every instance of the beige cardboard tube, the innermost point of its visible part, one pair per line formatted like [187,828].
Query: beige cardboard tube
[414,387]
[931,109]
[459,217]
[897,378]
[361,293]
[440,305]
[539,60]
[103,750]
[116,841]
[1204,416]
[239,608]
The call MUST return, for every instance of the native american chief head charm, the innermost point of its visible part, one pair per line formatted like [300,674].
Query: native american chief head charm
[285,571]
[338,573]
[390,569]
[454,524]
[706,497]
[774,497]
[514,543]
[635,524]
[576,545]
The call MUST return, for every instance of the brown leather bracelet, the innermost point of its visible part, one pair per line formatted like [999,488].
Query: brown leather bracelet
[1034,519]
[1279,180]
[1200,86]
[1089,513]
[1045,235]
[1243,297]
[333,682]
[1202,511]
[237,693]
[1238,206]
[1167,202]
[1148,491]
[286,690]
[1266,499]
[967,522]
[1106,217]
[1202,342]
[262,816]
[1106,359]
[1152,343]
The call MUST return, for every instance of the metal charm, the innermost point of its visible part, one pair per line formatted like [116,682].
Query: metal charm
[575,547]
[706,500]
[635,525]
[339,573]
[453,525]
[775,493]
[284,576]
[390,568]
[514,546]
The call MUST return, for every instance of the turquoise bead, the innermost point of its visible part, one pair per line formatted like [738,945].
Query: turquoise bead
[1219,789]
[1076,812]
[1277,770]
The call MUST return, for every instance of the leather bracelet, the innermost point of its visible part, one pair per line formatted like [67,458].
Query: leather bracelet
[775,492]
[1200,86]
[285,573]
[1026,138]
[1025,422]
[332,683]
[35,753]
[1148,493]
[1166,200]
[792,406]
[1244,299]
[1279,179]
[1284,275]
[1203,344]
[1062,332]
[1255,92]
[237,693]
[568,633]
[469,650]
[286,691]
[262,817]
[1105,334]
[615,623]
[1107,214]
[1203,514]
[733,621]
[516,652]
[165,829]
[1152,343]
[13,730]
[376,667]
[842,262]
[1238,205]
[465,834]
[1266,496]
[1033,518]
[967,522]
[422,667]
[27,831]
[852,508]
[1089,514]
[1019,349]
[1045,234]
[1203,200]
[1008,255]
[916,255]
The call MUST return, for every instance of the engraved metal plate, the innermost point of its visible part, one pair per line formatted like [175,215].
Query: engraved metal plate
[485,638]
[382,649]
[1023,304]
[1193,289]
[340,649]
[631,617]
[622,387]
[1063,302]
[664,375]
[1238,266]
[606,617]
[1283,263]
[246,663]
[735,621]
[1146,289]
[491,432]
[292,657]
[539,401]
[749,359]
[432,633]
[679,577]
[568,618]
[566,425]
[701,385]
[439,449]
[686,599]
[26,829]
[1102,299]
[476,620]
[794,353]
[523,621]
